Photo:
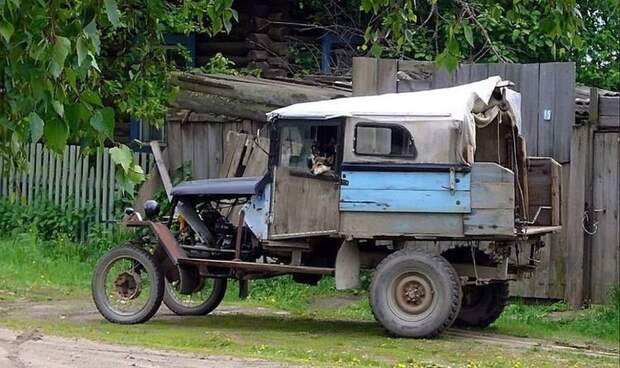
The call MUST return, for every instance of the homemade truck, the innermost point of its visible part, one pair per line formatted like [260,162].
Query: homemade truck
[428,190]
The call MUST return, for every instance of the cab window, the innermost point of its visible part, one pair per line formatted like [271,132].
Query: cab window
[312,148]
[384,140]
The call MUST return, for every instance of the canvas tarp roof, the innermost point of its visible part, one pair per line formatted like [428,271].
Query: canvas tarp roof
[473,104]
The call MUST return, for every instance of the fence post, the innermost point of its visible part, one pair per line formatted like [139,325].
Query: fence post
[578,270]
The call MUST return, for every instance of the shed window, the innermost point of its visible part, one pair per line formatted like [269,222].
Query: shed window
[384,140]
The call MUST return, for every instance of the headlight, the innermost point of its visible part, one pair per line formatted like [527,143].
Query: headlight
[151,209]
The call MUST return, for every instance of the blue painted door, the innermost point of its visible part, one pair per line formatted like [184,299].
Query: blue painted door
[417,191]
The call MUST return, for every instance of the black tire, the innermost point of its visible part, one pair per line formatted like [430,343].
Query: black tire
[399,294]
[173,301]
[482,305]
[154,276]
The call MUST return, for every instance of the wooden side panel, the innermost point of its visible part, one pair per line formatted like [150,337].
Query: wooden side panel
[369,224]
[493,199]
[303,206]
[606,203]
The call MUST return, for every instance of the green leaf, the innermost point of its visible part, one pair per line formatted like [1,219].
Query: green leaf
[6,30]
[36,127]
[59,108]
[82,50]
[103,121]
[92,98]
[136,174]
[122,156]
[60,50]
[93,34]
[468,34]
[56,134]
[114,15]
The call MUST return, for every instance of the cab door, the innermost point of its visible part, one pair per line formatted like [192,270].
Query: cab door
[305,204]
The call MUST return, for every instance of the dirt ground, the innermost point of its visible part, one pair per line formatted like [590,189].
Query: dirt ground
[34,349]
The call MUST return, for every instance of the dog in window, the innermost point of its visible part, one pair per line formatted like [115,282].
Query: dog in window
[323,157]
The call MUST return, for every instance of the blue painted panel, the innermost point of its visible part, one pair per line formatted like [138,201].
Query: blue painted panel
[426,192]
[405,180]
[257,213]
[430,201]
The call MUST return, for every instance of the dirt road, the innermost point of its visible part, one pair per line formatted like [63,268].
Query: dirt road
[32,349]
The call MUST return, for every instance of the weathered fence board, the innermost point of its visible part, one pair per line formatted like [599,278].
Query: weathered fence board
[68,178]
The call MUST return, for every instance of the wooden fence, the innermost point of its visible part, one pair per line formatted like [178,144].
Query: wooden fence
[70,177]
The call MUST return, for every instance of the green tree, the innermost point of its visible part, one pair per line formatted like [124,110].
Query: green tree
[474,30]
[70,69]
[598,62]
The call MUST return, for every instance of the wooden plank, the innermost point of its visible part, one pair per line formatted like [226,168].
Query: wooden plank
[371,224]
[609,105]
[71,175]
[606,203]
[174,149]
[187,141]
[564,110]
[498,69]
[65,174]
[493,195]
[97,183]
[513,73]
[478,72]
[579,181]
[161,167]
[202,160]
[104,184]
[31,171]
[51,170]
[546,105]
[405,180]
[463,74]
[386,75]
[78,178]
[442,78]
[364,76]
[428,201]
[489,222]
[37,171]
[111,190]
[607,121]
[57,177]
[84,188]
[489,172]
[215,150]
[257,163]
[529,88]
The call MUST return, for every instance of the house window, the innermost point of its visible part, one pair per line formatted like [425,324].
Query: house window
[384,140]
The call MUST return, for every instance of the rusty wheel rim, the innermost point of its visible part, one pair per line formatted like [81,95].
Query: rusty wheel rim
[412,296]
[127,286]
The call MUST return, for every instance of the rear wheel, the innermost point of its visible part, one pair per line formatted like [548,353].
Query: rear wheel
[127,286]
[207,296]
[414,294]
[482,305]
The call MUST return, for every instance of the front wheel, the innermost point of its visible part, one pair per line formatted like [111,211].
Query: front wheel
[207,296]
[127,286]
[415,294]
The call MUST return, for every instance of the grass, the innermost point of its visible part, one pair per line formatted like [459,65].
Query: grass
[315,332]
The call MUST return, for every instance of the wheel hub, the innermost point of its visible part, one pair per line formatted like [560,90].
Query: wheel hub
[413,293]
[128,285]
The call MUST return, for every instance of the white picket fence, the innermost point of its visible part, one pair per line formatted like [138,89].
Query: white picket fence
[69,178]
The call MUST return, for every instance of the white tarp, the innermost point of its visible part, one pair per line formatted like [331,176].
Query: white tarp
[470,103]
